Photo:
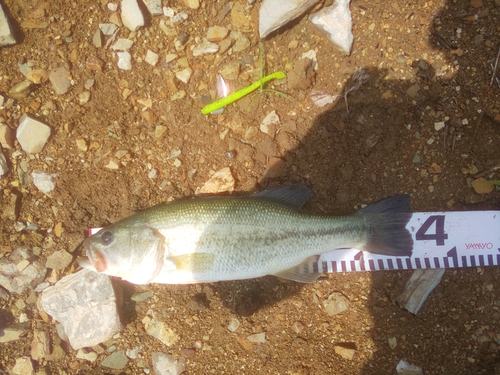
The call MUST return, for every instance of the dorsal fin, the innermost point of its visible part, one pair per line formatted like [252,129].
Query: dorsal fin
[293,195]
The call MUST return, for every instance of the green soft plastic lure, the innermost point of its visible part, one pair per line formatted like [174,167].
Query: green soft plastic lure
[241,93]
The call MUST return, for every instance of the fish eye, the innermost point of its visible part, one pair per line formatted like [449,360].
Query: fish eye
[106,237]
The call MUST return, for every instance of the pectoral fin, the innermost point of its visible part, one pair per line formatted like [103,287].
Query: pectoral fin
[300,272]
[197,262]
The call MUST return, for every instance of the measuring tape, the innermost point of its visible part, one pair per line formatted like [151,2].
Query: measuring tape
[440,240]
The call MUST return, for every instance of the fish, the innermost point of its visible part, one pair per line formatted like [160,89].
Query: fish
[219,238]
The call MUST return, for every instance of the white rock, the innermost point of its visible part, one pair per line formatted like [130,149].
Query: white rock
[124,60]
[122,44]
[184,75]
[336,21]
[132,16]
[43,181]
[166,364]
[405,368]
[108,29]
[322,98]
[257,337]
[193,4]
[151,58]
[32,134]
[88,356]
[221,181]
[275,13]
[234,324]
[159,330]
[204,48]
[336,304]
[270,119]
[6,34]
[84,97]
[113,7]
[154,7]
[179,17]
[4,168]
[439,125]
[85,304]
[168,12]
[23,366]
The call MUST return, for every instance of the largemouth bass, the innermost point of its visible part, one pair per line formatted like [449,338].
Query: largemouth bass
[234,238]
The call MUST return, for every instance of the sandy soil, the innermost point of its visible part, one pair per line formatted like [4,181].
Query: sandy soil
[347,158]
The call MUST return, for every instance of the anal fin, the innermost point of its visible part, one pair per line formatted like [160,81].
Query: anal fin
[300,272]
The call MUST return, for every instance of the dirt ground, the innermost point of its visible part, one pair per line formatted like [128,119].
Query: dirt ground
[347,158]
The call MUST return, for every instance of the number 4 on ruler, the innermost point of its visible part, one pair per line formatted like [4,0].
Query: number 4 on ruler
[439,236]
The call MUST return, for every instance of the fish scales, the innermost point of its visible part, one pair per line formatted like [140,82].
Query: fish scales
[229,238]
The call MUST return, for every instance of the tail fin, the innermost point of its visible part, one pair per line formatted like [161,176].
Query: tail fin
[387,221]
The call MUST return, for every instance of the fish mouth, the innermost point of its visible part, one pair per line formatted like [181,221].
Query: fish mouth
[94,259]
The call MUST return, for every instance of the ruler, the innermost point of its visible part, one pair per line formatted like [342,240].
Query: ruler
[440,240]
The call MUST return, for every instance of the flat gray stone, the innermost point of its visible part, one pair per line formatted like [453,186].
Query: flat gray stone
[154,7]
[6,35]
[85,304]
[58,260]
[13,332]
[59,77]
[117,360]
[17,273]
[276,13]
[32,134]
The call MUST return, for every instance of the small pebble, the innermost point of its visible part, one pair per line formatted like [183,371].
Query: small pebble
[151,57]
[124,60]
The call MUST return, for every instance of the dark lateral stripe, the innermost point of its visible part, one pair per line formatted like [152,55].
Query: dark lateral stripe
[436,262]
[334,266]
[353,265]
[481,260]
[315,267]
[344,267]
[490,260]
[473,261]
[498,260]
[390,265]
[399,262]
[427,262]
[418,264]
[464,261]
[371,264]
